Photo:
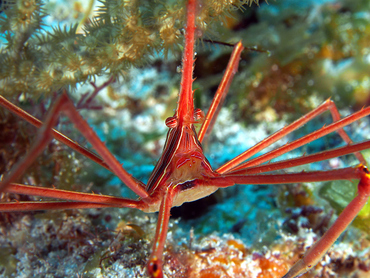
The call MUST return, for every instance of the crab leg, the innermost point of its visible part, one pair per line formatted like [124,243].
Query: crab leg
[307,139]
[325,155]
[185,116]
[230,179]
[155,261]
[222,90]
[56,134]
[48,205]
[319,249]
[104,200]
[65,105]
[327,105]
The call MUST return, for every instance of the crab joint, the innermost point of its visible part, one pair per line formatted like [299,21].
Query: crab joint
[319,249]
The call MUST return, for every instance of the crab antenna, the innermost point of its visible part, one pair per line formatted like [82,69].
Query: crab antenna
[185,106]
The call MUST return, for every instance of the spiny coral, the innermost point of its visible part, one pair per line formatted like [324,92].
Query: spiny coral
[121,35]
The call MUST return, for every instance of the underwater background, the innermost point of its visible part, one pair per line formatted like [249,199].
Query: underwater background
[299,54]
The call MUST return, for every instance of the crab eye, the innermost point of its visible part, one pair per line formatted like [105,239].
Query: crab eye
[198,115]
[365,169]
[171,122]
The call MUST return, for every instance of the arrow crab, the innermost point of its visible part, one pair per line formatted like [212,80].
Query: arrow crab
[183,173]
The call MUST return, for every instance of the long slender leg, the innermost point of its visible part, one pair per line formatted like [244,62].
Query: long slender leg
[65,106]
[222,90]
[155,261]
[325,155]
[49,205]
[327,105]
[226,180]
[313,255]
[73,196]
[56,134]
[319,249]
[303,140]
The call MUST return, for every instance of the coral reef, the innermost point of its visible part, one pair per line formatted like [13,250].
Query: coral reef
[122,34]
[316,51]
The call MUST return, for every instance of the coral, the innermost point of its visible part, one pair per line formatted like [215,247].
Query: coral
[228,257]
[37,60]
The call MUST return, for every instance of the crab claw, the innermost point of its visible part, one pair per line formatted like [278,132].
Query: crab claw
[155,268]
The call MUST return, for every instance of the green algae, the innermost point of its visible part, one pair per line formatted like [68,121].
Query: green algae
[8,263]
[340,193]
